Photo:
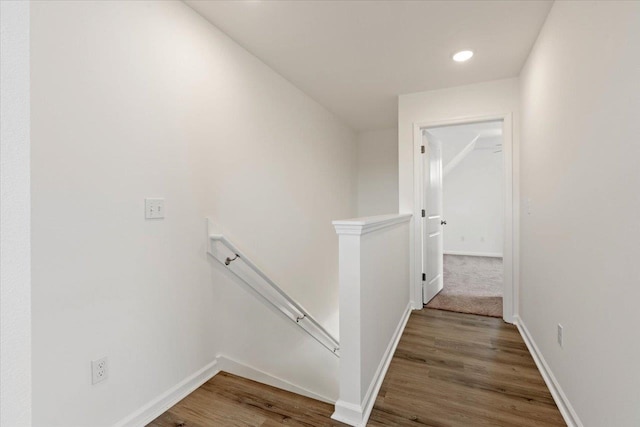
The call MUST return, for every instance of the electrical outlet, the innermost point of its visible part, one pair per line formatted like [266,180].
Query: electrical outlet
[99,370]
[153,208]
[462,238]
[560,337]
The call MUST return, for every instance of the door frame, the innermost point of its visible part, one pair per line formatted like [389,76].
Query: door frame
[511,203]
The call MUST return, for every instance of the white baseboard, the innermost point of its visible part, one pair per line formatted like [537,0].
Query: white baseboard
[568,413]
[349,413]
[358,415]
[243,370]
[166,400]
[467,253]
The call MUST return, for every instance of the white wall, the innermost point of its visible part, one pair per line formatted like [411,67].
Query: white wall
[139,99]
[580,151]
[377,172]
[473,191]
[15,206]
[374,307]
[384,301]
[482,99]
[472,206]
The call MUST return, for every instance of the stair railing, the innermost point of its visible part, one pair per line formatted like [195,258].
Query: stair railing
[228,254]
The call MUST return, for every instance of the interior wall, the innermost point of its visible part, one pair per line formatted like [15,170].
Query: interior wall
[473,188]
[580,228]
[383,304]
[373,261]
[477,100]
[15,211]
[377,172]
[473,206]
[147,99]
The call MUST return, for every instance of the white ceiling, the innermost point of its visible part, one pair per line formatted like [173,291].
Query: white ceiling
[356,57]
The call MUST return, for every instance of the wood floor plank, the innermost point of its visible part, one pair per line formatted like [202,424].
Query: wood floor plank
[450,369]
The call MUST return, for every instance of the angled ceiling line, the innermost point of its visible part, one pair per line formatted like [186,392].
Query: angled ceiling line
[460,156]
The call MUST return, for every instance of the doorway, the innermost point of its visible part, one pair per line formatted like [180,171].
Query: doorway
[465,236]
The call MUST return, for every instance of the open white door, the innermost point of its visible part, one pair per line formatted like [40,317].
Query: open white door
[432,221]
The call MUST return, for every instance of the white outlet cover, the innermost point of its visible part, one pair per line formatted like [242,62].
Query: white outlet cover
[99,370]
[153,208]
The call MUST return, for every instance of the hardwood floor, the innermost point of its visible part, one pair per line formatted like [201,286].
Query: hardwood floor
[450,369]
[229,400]
[454,369]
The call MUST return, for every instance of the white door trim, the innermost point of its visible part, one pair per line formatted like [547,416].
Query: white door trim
[511,204]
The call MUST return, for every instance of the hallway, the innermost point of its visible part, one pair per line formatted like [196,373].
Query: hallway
[449,369]
[459,369]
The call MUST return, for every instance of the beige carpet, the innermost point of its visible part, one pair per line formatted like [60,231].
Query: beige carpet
[472,284]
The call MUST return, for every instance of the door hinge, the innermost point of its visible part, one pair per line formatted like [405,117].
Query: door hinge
[424,277]
[422,149]
[424,213]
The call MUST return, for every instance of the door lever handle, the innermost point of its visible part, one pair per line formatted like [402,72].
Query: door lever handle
[443,222]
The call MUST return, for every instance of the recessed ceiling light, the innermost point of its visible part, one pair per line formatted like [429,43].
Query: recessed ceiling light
[463,55]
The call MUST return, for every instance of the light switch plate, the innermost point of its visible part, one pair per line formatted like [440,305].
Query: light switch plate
[153,208]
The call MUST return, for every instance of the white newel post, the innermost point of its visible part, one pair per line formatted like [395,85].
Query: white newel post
[374,307]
